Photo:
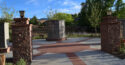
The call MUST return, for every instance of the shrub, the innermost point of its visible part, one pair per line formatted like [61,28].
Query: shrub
[21,62]
[9,64]
[122,46]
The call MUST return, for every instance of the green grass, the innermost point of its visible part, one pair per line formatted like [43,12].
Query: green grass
[82,35]
[9,63]
[122,48]
[39,37]
[70,36]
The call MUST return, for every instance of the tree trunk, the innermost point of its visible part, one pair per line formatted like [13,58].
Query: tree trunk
[95,31]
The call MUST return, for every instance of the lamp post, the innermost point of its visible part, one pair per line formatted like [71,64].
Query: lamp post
[22,14]
[109,12]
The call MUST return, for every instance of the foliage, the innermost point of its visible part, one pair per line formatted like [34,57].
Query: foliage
[39,37]
[94,13]
[122,46]
[118,5]
[63,16]
[120,9]
[107,4]
[82,21]
[76,35]
[53,15]
[4,20]
[9,64]
[6,14]
[21,62]
[34,20]
[121,13]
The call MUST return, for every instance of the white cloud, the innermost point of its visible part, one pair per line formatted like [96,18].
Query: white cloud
[77,7]
[69,2]
[35,2]
[65,3]
[73,6]
[63,10]
[70,11]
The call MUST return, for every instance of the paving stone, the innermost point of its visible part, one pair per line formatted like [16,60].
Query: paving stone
[99,58]
[51,59]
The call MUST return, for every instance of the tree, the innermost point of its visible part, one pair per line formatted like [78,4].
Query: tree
[94,10]
[7,13]
[94,13]
[119,9]
[34,20]
[106,5]
[121,14]
[82,16]
[63,16]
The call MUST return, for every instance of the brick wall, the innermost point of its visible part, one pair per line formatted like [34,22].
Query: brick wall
[110,34]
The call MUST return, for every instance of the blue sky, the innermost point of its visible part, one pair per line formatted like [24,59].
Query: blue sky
[40,8]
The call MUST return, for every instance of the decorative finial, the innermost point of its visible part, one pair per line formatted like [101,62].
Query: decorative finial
[22,14]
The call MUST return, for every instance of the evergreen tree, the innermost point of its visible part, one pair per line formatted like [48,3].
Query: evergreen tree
[34,20]
[82,16]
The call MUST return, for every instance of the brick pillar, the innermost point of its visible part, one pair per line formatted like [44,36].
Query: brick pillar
[110,34]
[22,40]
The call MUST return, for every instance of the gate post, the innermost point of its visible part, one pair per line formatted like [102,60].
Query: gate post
[110,34]
[56,30]
[22,39]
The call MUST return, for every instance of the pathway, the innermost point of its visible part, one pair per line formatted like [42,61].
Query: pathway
[74,51]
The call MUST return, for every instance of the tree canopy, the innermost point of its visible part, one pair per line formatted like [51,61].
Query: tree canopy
[93,10]
[63,16]
[34,20]
[7,14]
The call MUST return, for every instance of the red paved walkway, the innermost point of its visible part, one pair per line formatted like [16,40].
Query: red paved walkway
[68,48]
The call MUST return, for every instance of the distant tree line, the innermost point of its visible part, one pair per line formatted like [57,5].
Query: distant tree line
[90,15]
